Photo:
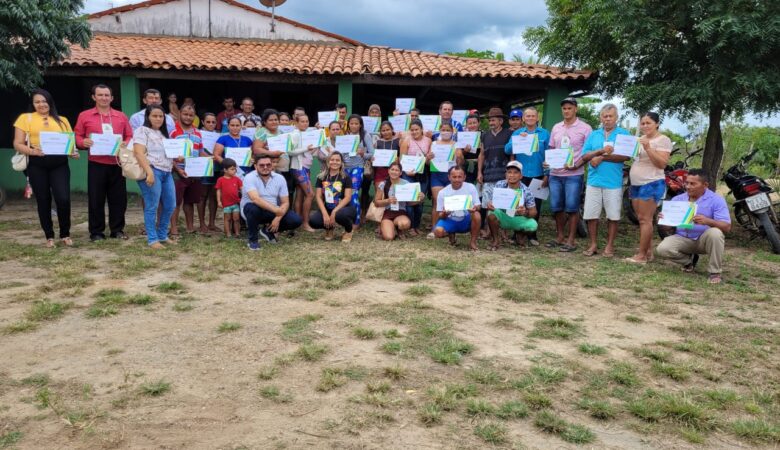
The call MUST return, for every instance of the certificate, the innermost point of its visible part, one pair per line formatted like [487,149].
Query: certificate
[558,158]
[314,137]
[286,128]
[468,138]
[508,199]
[443,157]
[677,214]
[371,124]
[383,158]
[326,117]
[400,123]
[199,167]
[209,138]
[411,163]
[626,145]
[347,144]
[56,143]
[404,105]
[177,148]
[407,192]
[458,203]
[105,144]
[525,145]
[241,155]
[280,143]
[249,132]
[459,115]
[536,189]
[430,122]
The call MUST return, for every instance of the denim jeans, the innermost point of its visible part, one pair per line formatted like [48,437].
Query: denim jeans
[161,194]
[565,193]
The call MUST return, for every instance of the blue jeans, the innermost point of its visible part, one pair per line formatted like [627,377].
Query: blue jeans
[565,193]
[162,192]
[415,212]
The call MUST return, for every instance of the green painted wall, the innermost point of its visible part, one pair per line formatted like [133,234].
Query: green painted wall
[552,106]
[345,93]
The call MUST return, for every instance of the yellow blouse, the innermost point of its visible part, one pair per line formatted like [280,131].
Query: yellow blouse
[34,123]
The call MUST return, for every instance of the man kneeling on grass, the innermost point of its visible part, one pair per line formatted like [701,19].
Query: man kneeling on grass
[265,201]
[461,214]
[518,220]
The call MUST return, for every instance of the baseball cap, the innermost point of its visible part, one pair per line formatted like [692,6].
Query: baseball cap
[516,164]
[571,100]
[517,112]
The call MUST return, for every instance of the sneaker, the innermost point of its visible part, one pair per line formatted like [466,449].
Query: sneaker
[267,235]
[120,235]
[253,246]
[430,236]
[97,237]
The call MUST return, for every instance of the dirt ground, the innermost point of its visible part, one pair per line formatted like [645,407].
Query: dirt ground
[81,379]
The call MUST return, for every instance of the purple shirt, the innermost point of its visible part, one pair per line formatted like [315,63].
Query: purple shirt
[577,133]
[709,205]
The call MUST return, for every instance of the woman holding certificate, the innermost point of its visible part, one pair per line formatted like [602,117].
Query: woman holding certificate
[355,161]
[158,187]
[416,146]
[443,155]
[301,159]
[334,199]
[234,140]
[393,194]
[386,141]
[47,139]
[648,185]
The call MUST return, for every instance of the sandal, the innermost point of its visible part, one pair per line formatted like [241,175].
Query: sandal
[67,241]
[608,255]
[553,244]
[566,248]
[493,247]
[590,252]
[715,278]
[635,261]
[50,243]
[157,246]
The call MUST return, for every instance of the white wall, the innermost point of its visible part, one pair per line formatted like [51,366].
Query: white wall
[227,21]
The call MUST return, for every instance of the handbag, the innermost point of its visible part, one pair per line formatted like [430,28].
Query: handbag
[129,164]
[375,213]
[20,160]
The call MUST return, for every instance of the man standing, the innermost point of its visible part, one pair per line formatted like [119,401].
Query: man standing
[515,119]
[462,221]
[491,162]
[706,237]
[265,201]
[566,184]
[151,97]
[445,111]
[104,176]
[247,108]
[341,116]
[533,164]
[604,190]
[519,220]
[189,190]
[224,116]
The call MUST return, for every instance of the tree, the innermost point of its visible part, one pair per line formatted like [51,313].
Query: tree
[481,54]
[33,35]
[717,57]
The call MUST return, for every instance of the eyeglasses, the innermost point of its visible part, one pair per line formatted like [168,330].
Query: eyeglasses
[264,165]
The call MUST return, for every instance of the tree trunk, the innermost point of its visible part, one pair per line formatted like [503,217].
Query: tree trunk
[713,146]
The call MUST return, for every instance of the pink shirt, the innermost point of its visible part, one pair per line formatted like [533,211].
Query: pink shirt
[91,121]
[419,148]
[577,133]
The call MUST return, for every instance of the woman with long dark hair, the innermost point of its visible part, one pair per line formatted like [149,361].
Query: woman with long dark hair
[158,187]
[49,175]
[356,163]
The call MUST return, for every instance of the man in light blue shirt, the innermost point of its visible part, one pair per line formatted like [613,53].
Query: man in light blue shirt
[604,190]
[151,97]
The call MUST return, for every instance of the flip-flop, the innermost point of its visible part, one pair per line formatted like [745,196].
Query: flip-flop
[608,255]
[715,278]
[590,252]
[565,248]
[635,261]
[553,244]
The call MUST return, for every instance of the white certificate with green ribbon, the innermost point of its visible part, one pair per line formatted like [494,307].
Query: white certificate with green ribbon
[470,138]
[677,214]
[411,163]
[507,199]
[404,105]
[209,139]
[443,157]
[177,148]
[525,145]
[280,143]
[401,122]
[313,137]
[558,158]
[57,143]
[459,115]
[200,166]
[326,117]
[407,192]
[286,128]
[371,124]
[383,158]
[458,203]
[105,144]
[626,145]
[347,144]
[241,155]
[430,122]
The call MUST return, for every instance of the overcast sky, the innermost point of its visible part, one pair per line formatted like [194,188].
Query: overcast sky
[433,25]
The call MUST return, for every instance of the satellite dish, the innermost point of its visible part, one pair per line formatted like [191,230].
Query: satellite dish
[272,4]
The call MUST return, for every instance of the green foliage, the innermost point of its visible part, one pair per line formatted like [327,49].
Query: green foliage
[35,34]
[481,54]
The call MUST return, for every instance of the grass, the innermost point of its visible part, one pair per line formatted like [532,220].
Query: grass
[549,422]
[155,388]
[311,352]
[44,310]
[182,307]
[491,432]
[227,327]
[591,349]
[170,287]
[623,373]
[20,326]
[395,373]
[10,438]
[298,329]
[756,430]
[477,407]
[274,394]
[429,414]
[558,328]
[512,409]
[598,409]
[676,372]
[364,333]
[419,290]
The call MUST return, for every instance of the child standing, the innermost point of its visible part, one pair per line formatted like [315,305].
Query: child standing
[228,197]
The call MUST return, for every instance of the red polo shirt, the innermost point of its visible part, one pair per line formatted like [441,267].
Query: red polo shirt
[91,121]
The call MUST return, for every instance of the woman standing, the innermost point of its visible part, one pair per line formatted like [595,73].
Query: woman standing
[648,186]
[334,199]
[386,141]
[355,164]
[260,147]
[416,144]
[395,215]
[439,180]
[210,195]
[232,140]
[158,187]
[49,176]
[301,160]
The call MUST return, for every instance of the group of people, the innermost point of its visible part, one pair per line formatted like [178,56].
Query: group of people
[273,191]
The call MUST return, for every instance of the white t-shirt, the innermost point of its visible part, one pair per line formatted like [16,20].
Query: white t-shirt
[465,189]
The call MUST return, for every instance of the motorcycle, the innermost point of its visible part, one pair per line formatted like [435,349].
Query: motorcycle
[753,208]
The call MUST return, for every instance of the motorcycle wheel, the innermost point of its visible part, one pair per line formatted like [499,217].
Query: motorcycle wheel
[770,232]
[628,207]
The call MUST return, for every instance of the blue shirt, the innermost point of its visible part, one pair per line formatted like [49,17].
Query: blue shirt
[608,175]
[532,164]
[456,126]
[229,141]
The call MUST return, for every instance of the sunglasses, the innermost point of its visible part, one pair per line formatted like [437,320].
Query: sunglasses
[264,165]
